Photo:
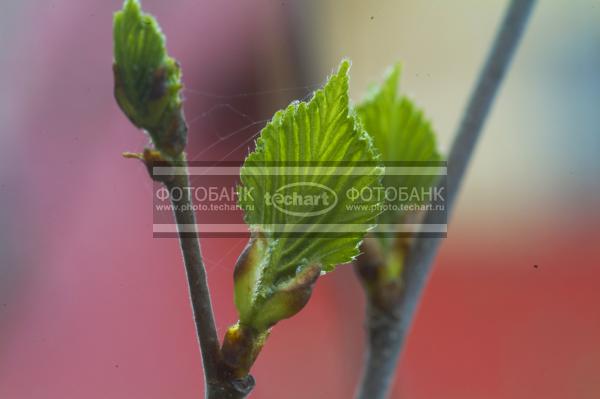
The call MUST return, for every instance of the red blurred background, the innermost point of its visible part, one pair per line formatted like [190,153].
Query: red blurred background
[92,306]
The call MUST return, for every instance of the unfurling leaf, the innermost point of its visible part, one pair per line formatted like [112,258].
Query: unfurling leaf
[314,153]
[283,300]
[147,80]
[310,161]
[401,133]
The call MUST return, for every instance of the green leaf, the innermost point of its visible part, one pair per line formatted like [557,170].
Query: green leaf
[401,132]
[308,150]
[147,80]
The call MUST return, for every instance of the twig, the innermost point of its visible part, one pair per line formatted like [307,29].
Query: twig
[198,285]
[387,331]
[219,385]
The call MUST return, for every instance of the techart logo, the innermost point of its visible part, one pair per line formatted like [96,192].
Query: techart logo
[302,199]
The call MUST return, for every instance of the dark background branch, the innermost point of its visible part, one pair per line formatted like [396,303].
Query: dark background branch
[387,331]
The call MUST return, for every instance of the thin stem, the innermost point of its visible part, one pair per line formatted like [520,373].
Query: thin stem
[198,285]
[383,352]
[218,383]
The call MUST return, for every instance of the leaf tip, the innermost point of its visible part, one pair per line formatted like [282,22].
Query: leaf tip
[344,67]
[392,75]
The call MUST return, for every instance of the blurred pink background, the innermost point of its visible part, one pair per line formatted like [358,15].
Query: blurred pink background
[92,306]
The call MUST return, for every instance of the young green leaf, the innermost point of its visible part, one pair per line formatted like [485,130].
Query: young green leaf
[308,161]
[401,133]
[147,80]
